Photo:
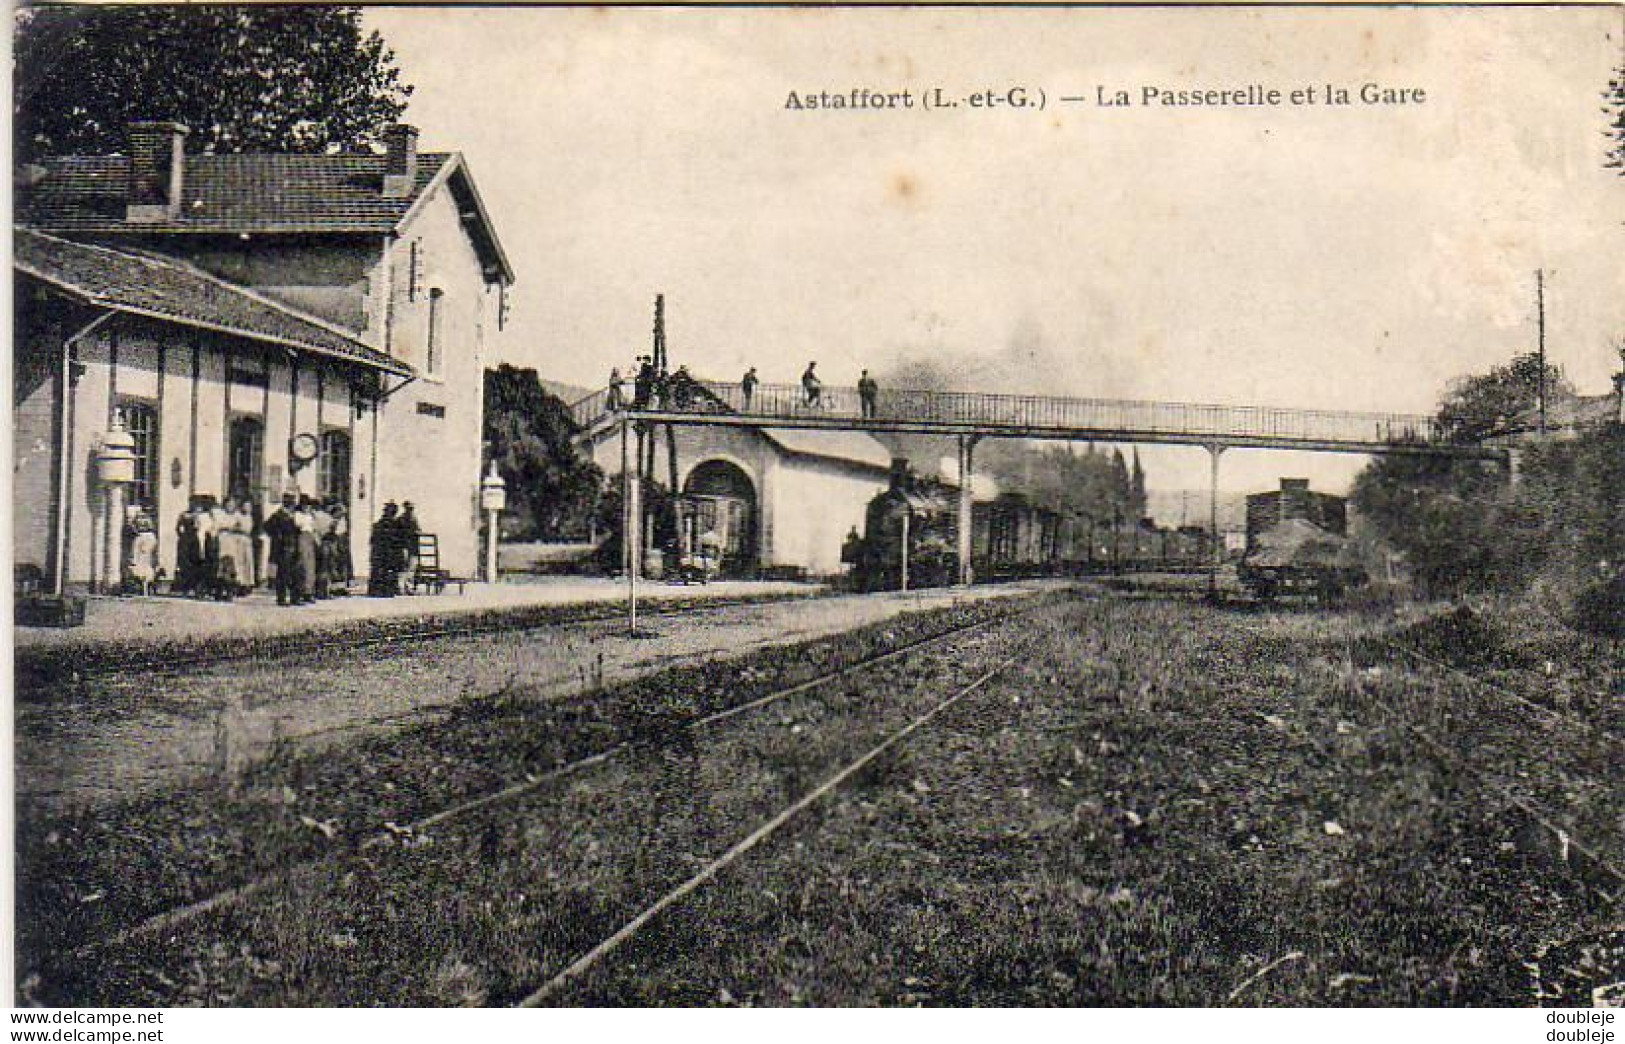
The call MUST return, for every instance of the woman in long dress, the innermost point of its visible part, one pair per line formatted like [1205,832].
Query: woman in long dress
[188,555]
[243,526]
[226,562]
[306,549]
[235,573]
[143,552]
[339,556]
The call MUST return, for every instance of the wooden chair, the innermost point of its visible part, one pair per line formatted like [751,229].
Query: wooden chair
[429,576]
[27,579]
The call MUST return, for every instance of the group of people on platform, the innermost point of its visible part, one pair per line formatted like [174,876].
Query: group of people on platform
[679,391]
[310,549]
[217,544]
[394,551]
[214,549]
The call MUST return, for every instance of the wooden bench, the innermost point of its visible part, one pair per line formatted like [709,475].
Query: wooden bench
[33,606]
[428,576]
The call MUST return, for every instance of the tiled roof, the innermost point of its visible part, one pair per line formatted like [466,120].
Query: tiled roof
[164,288]
[230,194]
[853,447]
[245,194]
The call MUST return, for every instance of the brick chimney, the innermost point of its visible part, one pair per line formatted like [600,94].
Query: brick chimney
[899,475]
[1294,498]
[400,161]
[157,169]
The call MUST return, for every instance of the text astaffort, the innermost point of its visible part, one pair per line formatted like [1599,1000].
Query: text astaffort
[856,98]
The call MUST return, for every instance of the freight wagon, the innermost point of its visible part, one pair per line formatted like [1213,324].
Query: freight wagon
[1297,543]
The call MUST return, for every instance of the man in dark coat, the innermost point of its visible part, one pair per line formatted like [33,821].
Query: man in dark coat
[811,386]
[283,532]
[407,530]
[643,384]
[383,577]
[868,392]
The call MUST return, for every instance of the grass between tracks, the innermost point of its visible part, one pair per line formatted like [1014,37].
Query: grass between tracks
[1162,803]
[1157,809]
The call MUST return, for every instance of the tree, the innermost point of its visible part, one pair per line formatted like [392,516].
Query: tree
[1081,485]
[1137,498]
[655,502]
[552,488]
[1499,401]
[1462,525]
[1440,513]
[1569,527]
[241,78]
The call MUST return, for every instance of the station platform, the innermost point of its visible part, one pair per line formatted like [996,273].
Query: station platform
[103,720]
[148,625]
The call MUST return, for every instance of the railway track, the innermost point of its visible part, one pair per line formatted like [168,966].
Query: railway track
[1566,840]
[1565,719]
[606,946]
[237,895]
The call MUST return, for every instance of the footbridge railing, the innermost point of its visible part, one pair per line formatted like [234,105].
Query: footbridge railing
[1038,416]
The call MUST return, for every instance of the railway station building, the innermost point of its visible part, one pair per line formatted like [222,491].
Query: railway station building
[256,324]
[780,499]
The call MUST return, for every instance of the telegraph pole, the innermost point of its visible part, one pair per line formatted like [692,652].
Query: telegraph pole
[662,360]
[1540,309]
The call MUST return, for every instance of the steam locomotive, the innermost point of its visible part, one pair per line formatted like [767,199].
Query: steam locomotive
[1010,539]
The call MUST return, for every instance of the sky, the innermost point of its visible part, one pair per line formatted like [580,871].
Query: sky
[1355,256]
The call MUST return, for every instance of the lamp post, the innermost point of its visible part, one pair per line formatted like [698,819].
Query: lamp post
[115,466]
[493,498]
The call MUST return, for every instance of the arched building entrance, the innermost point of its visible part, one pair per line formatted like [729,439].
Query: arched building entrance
[722,500]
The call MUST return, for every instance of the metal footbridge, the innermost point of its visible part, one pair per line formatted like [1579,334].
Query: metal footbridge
[976,415]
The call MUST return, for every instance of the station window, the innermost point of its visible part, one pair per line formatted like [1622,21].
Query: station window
[437,319]
[333,467]
[141,421]
[245,458]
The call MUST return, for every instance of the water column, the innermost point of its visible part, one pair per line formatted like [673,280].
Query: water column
[494,499]
[115,463]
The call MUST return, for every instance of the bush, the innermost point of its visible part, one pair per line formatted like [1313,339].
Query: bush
[1600,608]
[656,501]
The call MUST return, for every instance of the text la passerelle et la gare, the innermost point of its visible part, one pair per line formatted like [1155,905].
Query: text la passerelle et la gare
[1255,95]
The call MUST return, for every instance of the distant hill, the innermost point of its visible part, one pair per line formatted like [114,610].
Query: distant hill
[568,392]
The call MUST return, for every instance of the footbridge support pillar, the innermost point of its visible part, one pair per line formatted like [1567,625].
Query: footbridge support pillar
[967,445]
[1215,538]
